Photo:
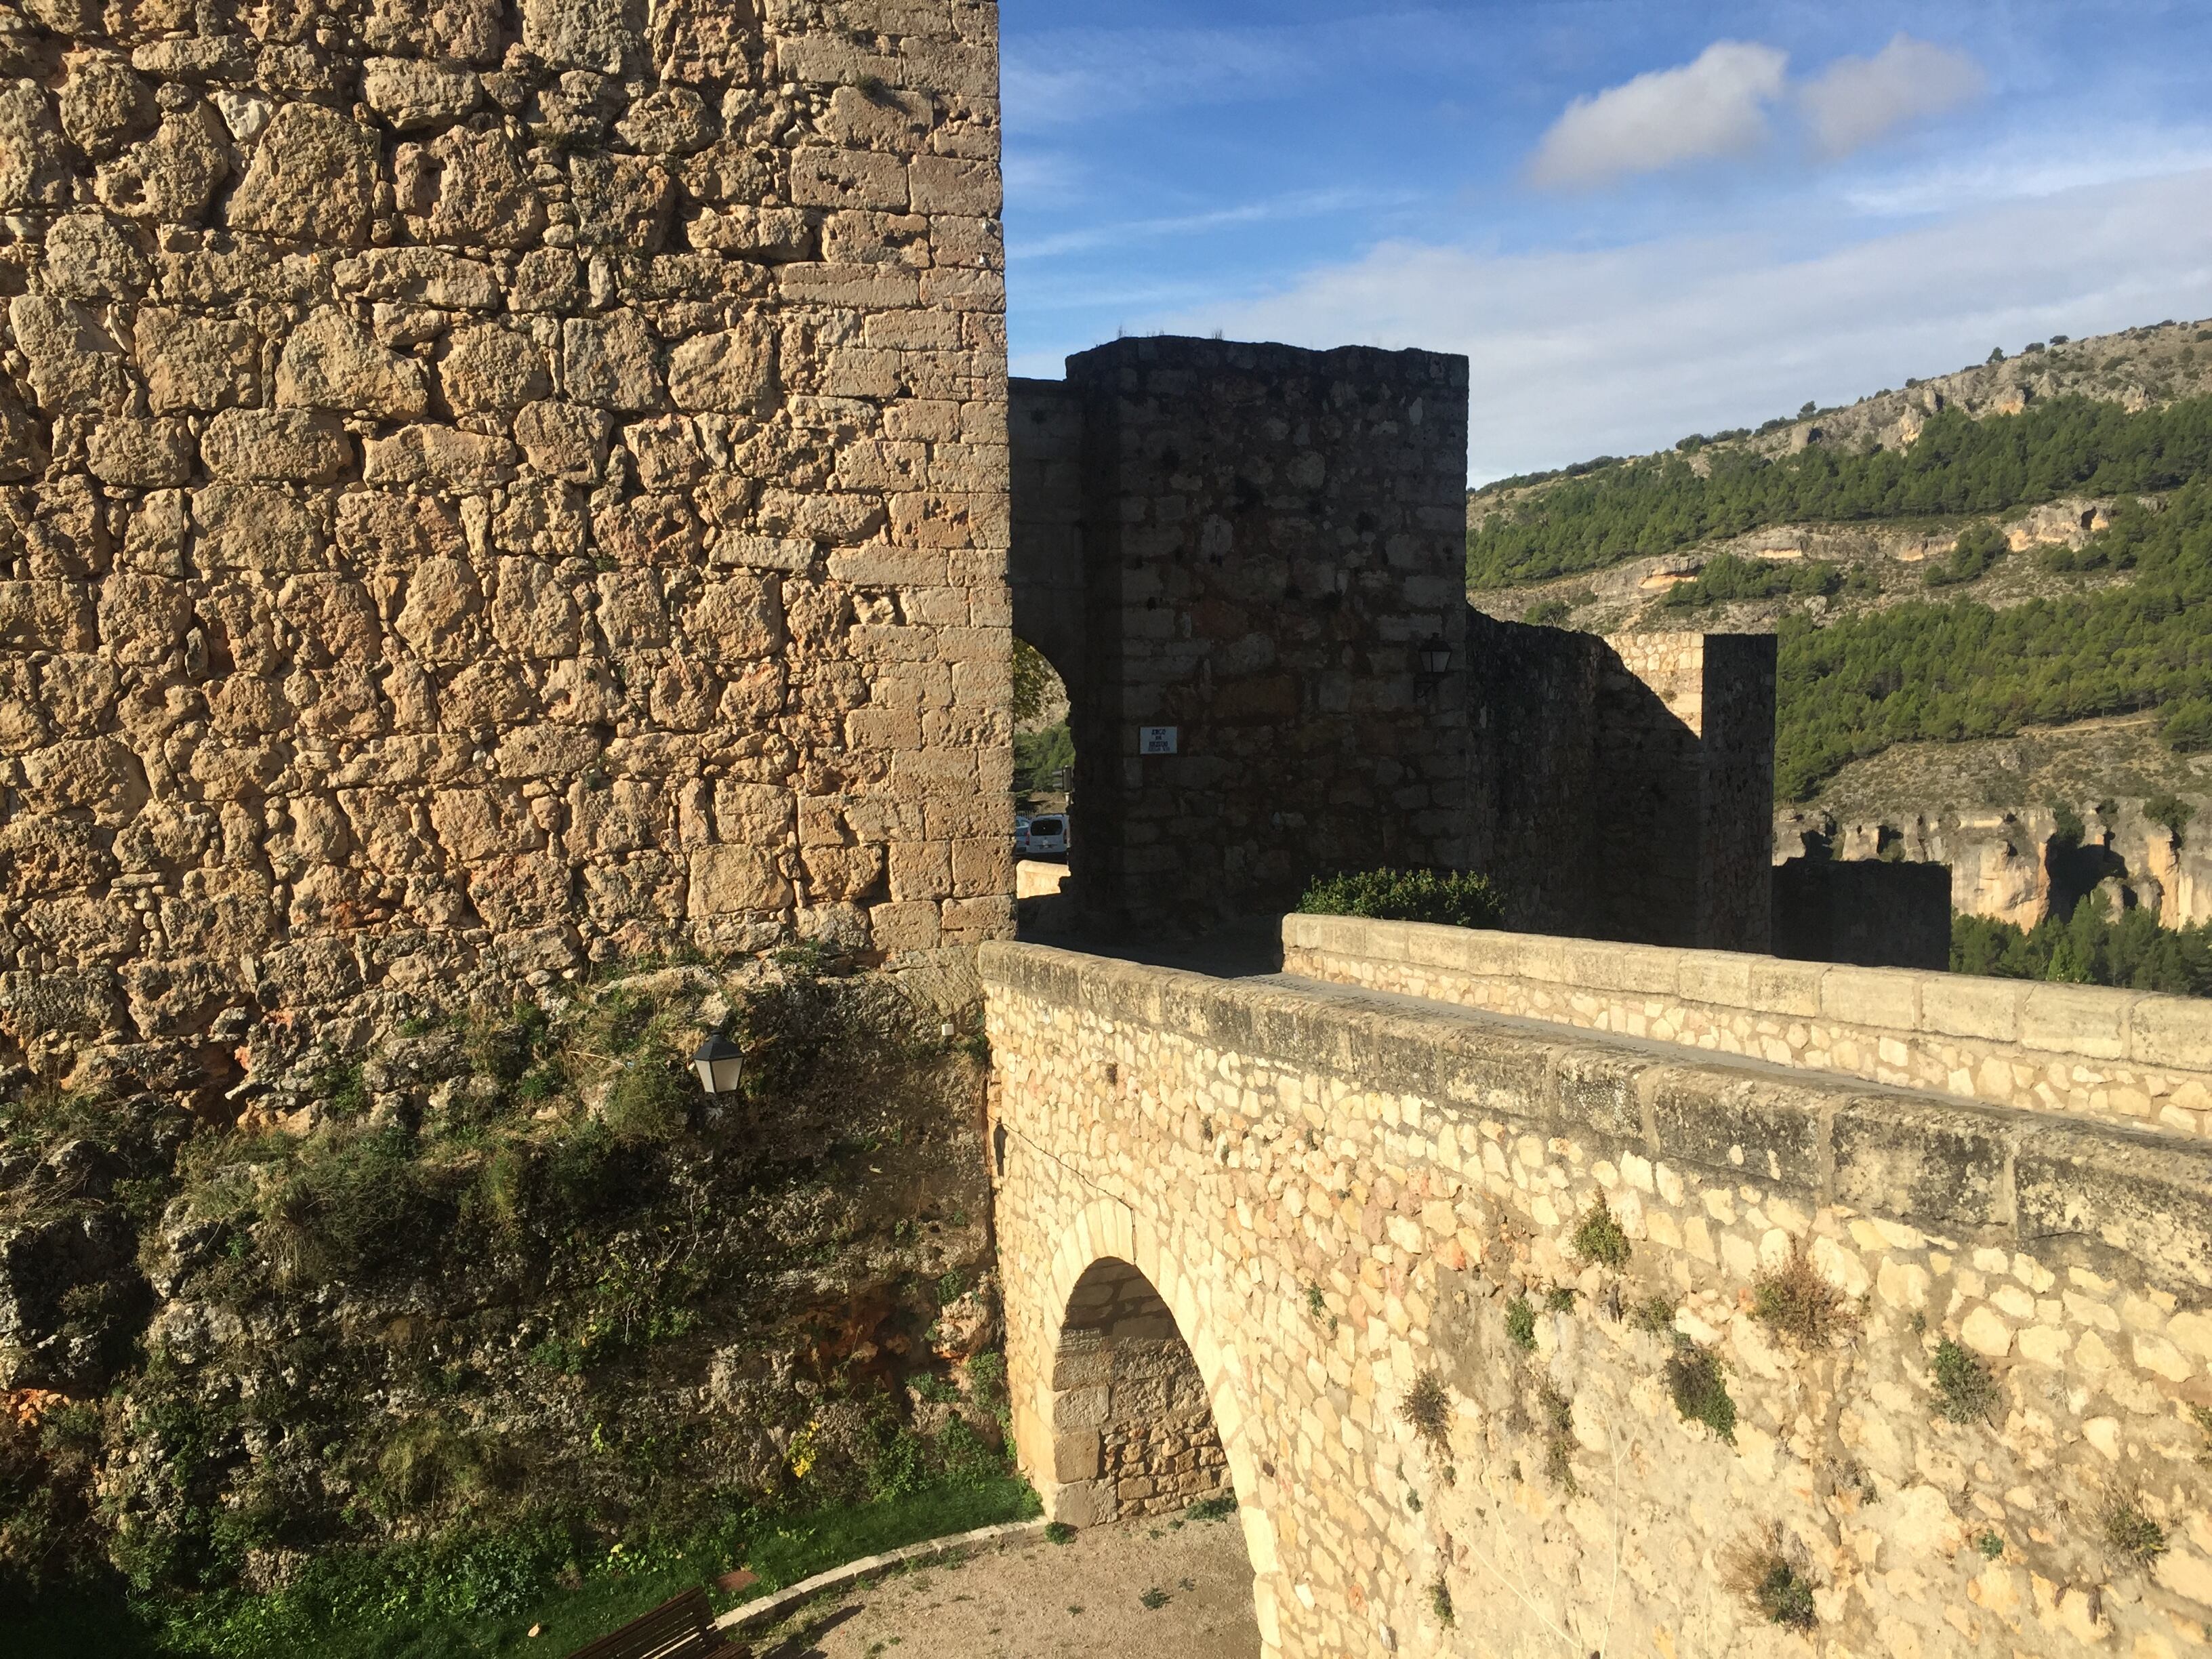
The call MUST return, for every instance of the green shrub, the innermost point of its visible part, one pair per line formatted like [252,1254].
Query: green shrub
[2170,810]
[1445,898]
[2133,1534]
[1695,1379]
[1598,1238]
[1977,550]
[1521,1324]
[1965,1391]
[1219,1507]
[1440,1601]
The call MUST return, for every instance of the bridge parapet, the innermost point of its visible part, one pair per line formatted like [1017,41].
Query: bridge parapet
[2126,1056]
[1339,1194]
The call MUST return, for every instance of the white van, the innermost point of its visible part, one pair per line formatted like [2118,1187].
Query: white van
[1044,836]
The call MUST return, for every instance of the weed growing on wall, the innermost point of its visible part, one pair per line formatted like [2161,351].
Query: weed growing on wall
[1990,1544]
[1521,1324]
[1796,1302]
[1219,1507]
[1556,1418]
[1598,1238]
[2132,1532]
[2202,1416]
[1427,1408]
[1560,1298]
[1440,1601]
[1700,1388]
[1654,1316]
[1776,1584]
[1965,1391]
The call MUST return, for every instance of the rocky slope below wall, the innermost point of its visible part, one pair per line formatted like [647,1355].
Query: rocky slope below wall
[512,1267]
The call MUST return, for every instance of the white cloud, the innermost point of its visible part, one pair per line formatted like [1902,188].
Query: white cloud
[1625,349]
[1714,107]
[1857,100]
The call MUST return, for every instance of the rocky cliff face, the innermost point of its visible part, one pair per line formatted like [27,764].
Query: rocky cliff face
[2002,813]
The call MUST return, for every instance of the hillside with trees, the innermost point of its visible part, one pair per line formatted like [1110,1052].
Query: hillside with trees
[1993,592]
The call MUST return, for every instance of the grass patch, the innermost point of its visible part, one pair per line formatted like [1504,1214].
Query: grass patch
[482,1595]
[1598,1238]
[1965,1391]
[1427,1407]
[1558,1425]
[1521,1324]
[1779,1588]
[2133,1534]
[1795,1301]
[1219,1507]
[1700,1388]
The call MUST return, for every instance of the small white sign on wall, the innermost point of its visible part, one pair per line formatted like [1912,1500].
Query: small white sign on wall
[1157,740]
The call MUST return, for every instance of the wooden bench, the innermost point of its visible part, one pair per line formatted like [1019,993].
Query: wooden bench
[680,1629]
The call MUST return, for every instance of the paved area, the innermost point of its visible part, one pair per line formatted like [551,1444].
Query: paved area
[1140,1588]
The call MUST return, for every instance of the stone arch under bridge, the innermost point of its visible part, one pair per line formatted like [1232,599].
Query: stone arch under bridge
[1330,1195]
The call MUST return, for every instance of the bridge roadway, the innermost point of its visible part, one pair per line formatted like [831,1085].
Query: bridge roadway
[1462,1309]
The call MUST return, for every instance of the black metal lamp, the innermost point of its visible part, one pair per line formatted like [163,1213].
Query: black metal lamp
[720,1063]
[1435,658]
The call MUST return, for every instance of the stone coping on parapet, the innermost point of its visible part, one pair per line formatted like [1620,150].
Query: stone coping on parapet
[2131,1056]
[2122,1194]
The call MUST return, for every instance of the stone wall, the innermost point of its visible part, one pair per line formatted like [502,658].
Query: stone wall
[1871,913]
[1266,537]
[1622,788]
[2125,1057]
[485,488]
[1136,1436]
[1971,1421]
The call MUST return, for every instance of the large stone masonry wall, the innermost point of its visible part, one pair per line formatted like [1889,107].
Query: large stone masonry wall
[2125,1057]
[1337,1195]
[1267,537]
[485,487]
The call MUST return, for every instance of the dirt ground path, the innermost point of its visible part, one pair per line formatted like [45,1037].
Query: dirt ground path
[1084,1598]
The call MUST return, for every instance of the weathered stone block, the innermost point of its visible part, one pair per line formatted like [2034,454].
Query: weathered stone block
[313,178]
[152,454]
[252,445]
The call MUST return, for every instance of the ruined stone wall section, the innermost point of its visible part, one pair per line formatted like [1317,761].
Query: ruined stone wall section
[1338,1195]
[1621,788]
[488,486]
[2126,1057]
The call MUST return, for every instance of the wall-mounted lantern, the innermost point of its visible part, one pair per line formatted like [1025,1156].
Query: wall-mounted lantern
[1436,660]
[720,1063]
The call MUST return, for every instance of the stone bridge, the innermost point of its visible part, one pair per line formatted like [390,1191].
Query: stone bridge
[1514,1338]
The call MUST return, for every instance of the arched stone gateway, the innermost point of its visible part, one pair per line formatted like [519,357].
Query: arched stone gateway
[1525,1342]
[1125,1401]
[1133,1429]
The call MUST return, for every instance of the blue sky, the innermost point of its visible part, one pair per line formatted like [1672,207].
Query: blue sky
[1639,220]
